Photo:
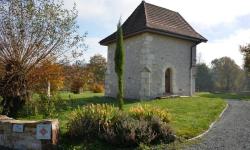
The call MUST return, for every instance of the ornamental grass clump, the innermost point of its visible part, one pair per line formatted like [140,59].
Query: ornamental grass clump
[149,112]
[124,129]
[89,121]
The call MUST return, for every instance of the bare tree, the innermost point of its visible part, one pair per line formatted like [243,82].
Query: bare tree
[30,32]
[199,58]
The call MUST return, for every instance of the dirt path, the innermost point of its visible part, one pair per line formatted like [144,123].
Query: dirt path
[231,132]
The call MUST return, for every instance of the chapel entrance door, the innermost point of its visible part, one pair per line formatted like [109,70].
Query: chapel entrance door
[168,81]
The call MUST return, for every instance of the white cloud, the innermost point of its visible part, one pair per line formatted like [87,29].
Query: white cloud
[94,48]
[103,10]
[225,47]
[88,9]
[204,13]
[208,12]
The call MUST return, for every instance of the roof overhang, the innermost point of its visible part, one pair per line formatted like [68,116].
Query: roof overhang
[156,31]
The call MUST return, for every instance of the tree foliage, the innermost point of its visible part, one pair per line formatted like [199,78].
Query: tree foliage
[203,78]
[30,32]
[119,63]
[81,76]
[47,72]
[245,50]
[78,77]
[227,75]
[97,65]
[223,76]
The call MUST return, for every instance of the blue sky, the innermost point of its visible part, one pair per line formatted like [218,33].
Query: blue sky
[225,23]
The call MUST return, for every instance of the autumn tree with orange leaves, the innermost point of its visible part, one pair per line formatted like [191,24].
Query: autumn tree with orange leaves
[47,77]
[78,77]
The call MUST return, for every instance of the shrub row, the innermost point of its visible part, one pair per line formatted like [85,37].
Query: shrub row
[140,125]
[42,106]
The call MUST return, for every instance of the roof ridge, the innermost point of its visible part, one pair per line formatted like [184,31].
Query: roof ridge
[136,10]
[145,12]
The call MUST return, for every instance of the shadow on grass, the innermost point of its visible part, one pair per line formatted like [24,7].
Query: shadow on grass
[73,103]
[66,143]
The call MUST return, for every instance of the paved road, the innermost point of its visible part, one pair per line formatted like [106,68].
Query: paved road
[231,132]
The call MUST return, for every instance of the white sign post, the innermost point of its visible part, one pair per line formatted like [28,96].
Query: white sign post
[43,131]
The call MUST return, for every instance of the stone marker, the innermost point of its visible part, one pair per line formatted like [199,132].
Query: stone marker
[32,135]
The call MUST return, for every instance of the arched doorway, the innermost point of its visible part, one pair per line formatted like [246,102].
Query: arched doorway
[168,81]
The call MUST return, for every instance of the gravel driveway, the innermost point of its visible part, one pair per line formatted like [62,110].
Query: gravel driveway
[231,132]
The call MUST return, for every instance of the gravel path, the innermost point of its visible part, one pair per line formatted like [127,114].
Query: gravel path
[231,132]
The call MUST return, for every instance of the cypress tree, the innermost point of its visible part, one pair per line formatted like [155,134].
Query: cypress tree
[119,63]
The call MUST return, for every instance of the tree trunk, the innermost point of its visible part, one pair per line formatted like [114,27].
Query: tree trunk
[120,93]
[13,90]
[11,105]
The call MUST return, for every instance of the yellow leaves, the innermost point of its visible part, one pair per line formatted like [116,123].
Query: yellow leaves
[101,112]
[150,111]
[97,88]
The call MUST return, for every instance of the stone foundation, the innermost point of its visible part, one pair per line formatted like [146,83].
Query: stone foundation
[28,135]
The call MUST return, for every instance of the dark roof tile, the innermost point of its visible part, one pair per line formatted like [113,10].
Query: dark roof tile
[151,18]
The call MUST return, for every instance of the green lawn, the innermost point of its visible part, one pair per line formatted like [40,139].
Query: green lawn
[238,96]
[190,116]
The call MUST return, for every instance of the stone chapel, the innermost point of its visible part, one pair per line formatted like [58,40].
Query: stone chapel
[160,49]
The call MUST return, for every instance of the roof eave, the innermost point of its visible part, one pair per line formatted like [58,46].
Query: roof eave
[173,34]
[105,42]
[157,31]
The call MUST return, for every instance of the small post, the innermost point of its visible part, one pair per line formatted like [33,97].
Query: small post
[48,90]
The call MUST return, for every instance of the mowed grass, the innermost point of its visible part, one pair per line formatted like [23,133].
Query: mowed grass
[191,116]
[237,96]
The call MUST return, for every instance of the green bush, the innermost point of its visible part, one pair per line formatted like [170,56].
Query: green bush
[128,131]
[42,106]
[116,127]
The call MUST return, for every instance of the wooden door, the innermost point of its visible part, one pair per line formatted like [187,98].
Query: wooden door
[167,81]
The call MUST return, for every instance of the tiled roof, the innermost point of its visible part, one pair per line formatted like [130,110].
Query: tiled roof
[151,18]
